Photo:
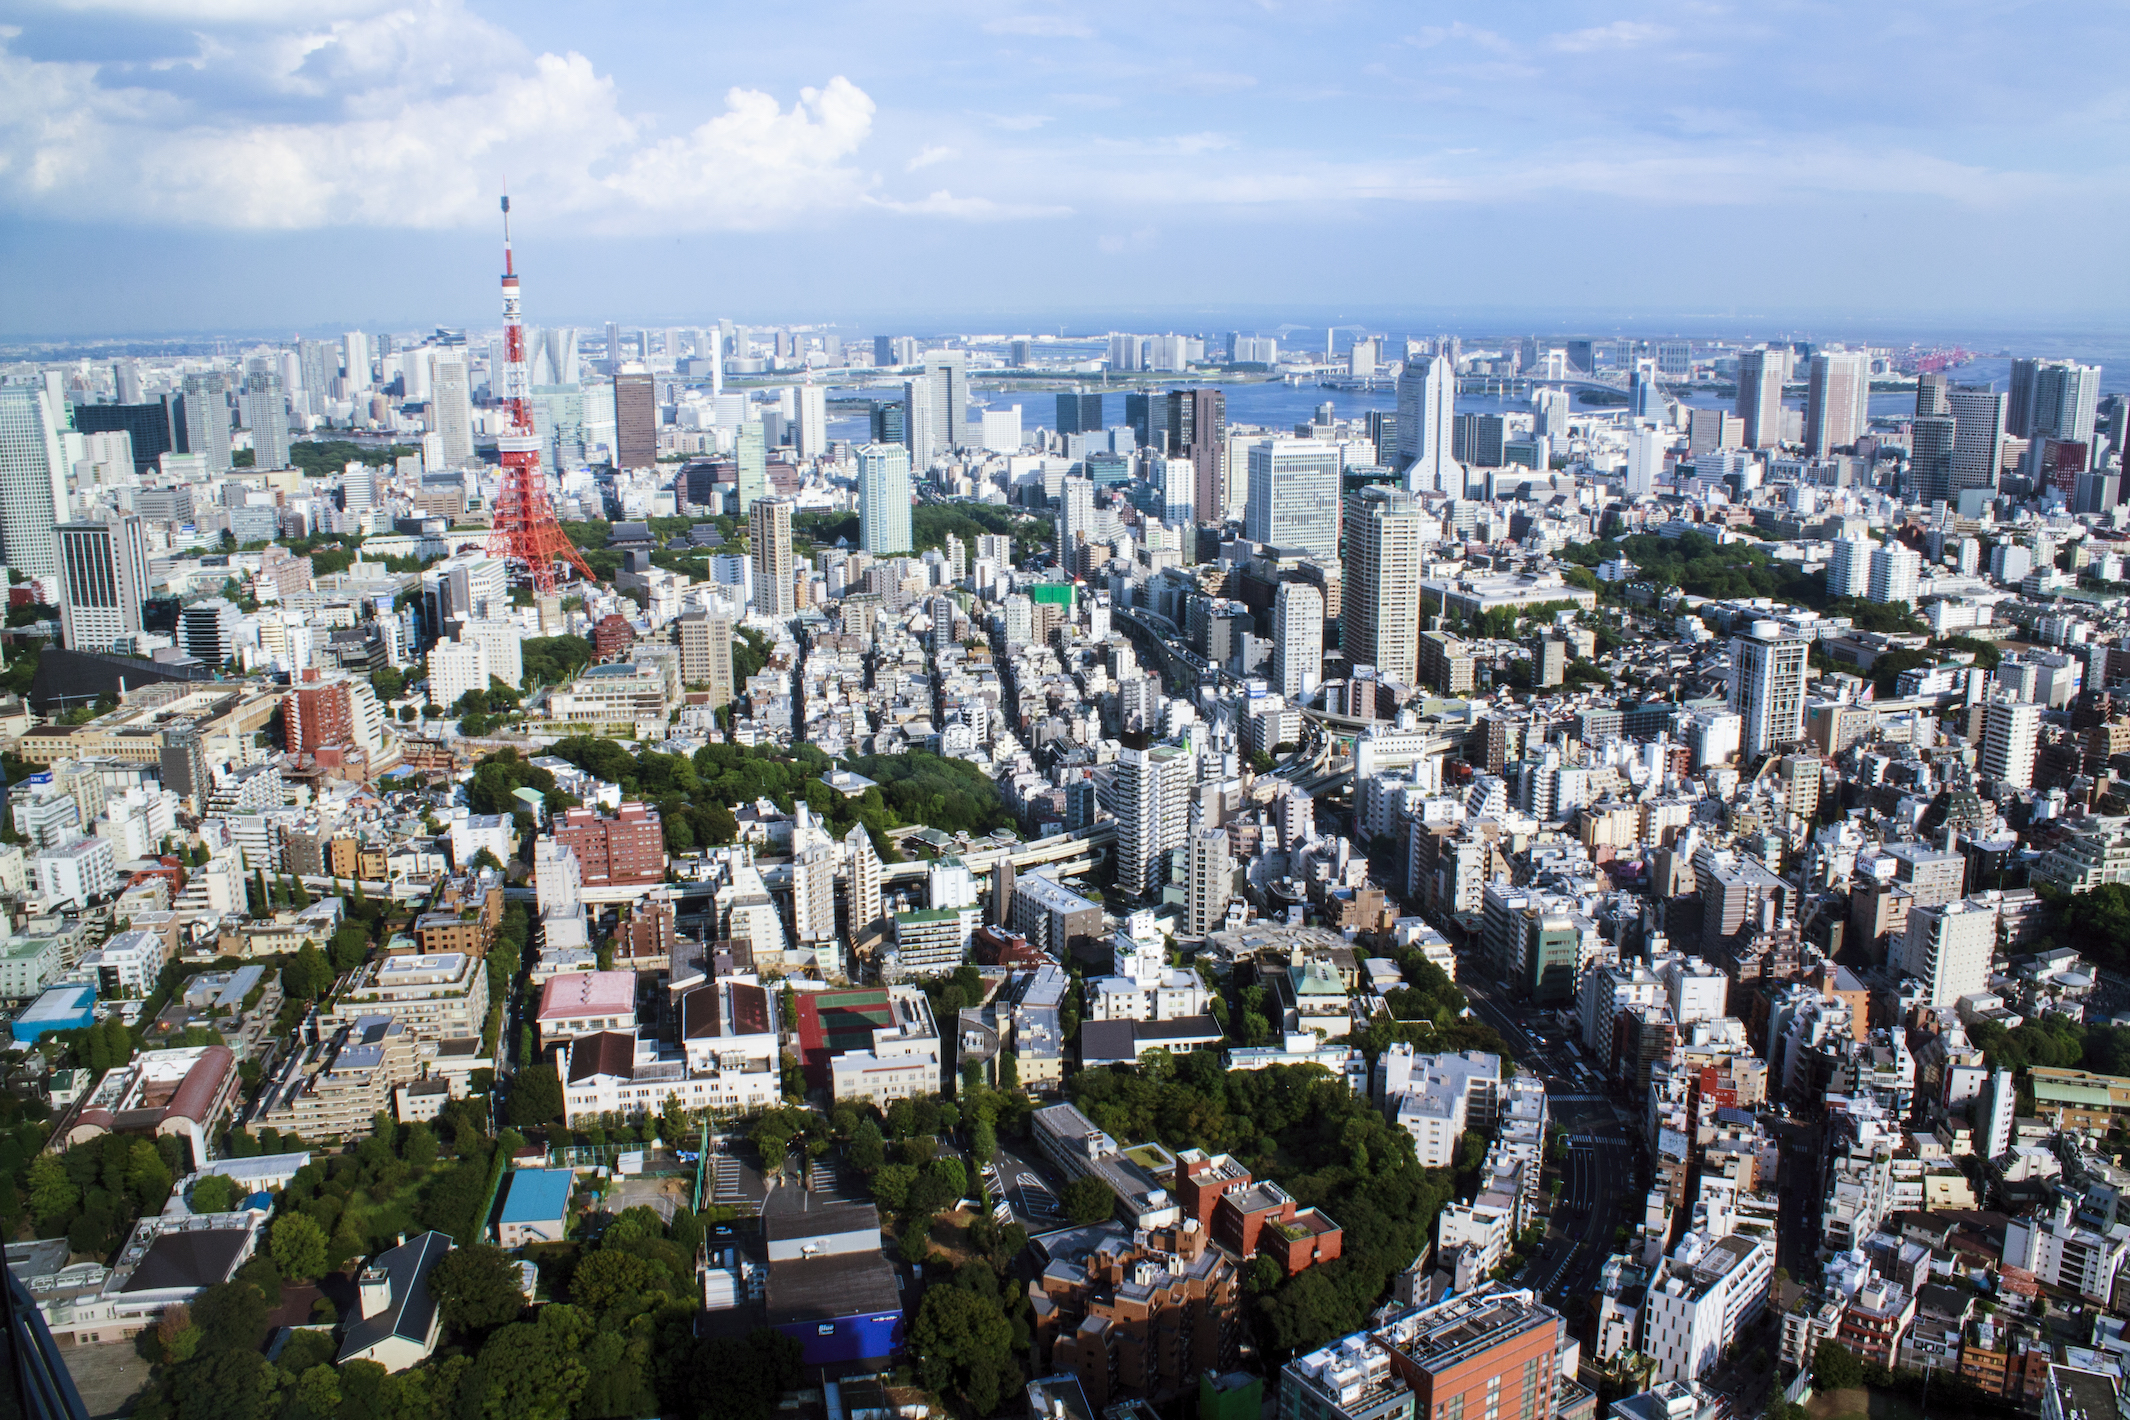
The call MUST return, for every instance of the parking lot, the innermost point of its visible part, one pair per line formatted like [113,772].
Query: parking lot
[108,1375]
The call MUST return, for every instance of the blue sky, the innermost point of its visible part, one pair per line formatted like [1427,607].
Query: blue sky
[173,165]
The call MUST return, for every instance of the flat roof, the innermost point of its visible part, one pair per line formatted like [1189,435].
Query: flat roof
[827,1288]
[537,1195]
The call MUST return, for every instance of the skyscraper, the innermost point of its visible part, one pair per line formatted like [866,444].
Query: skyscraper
[147,424]
[883,499]
[1645,460]
[1930,452]
[920,429]
[1760,374]
[1768,687]
[451,409]
[1932,388]
[1294,496]
[1150,792]
[1212,878]
[1427,403]
[1297,639]
[2019,398]
[1645,399]
[1076,517]
[355,360]
[635,418]
[207,420]
[705,643]
[1894,568]
[265,412]
[1079,413]
[750,455]
[1198,429]
[2011,733]
[2066,400]
[1978,437]
[33,478]
[103,579]
[319,362]
[1380,607]
[769,543]
[812,422]
[1836,397]
[126,381]
[946,386]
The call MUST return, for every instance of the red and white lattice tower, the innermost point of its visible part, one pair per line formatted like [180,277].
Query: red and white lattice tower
[525,528]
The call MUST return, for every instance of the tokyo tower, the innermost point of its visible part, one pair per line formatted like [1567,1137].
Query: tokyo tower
[525,528]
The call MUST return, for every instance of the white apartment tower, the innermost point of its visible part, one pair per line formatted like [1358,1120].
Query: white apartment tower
[1380,604]
[1768,687]
[769,545]
[1837,395]
[1895,567]
[1760,376]
[884,499]
[2011,733]
[1151,791]
[1948,949]
[1297,639]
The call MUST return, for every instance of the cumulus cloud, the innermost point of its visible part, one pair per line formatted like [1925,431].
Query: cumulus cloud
[406,118]
[927,156]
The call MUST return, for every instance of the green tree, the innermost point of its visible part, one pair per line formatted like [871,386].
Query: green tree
[965,1348]
[535,1096]
[892,1184]
[1088,1200]
[307,975]
[476,1288]
[534,1370]
[298,1247]
[1836,1367]
[213,1194]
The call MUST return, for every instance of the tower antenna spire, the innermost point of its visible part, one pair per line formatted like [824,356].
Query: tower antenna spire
[526,532]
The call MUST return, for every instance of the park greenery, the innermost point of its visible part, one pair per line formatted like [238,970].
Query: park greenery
[930,526]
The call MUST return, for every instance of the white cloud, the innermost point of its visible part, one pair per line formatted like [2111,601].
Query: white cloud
[969,209]
[930,155]
[1039,27]
[1020,122]
[1433,35]
[1620,34]
[409,118]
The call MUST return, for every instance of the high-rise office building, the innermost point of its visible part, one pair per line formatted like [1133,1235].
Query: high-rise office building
[920,429]
[1837,395]
[1760,375]
[1894,569]
[147,424]
[1933,389]
[1427,403]
[1645,397]
[769,543]
[1768,687]
[126,381]
[1645,460]
[2011,735]
[1294,496]
[103,579]
[1146,414]
[1380,605]
[319,364]
[2064,405]
[1297,639]
[945,389]
[1211,870]
[2019,398]
[1079,413]
[883,499]
[1198,430]
[1076,517]
[1930,454]
[635,418]
[451,409]
[207,420]
[265,412]
[705,643]
[33,478]
[1551,420]
[1711,431]
[810,424]
[355,360]
[1978,437]
[1150,792]
[750,456]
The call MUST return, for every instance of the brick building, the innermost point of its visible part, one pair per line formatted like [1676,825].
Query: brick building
[1247,1217]
[1136,1315]
[316,714]
[612,636]
[626,850]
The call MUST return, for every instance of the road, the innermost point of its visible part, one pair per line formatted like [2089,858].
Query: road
[1602,1174]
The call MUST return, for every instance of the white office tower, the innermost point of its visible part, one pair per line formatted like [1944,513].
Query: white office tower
[1177,481]
[1894,569]
[126,380]
[1427,405]
[1151,791]
[355,360]
[1294,496]
[811,413]
[1076,517]
[103,579]
[884,499]
[456,667]
[1837,401]
[1978,438]
[451,410]
[1001,430]
[1380,604]
[1645,460]
[33,477]
[264,409]
[2011,734]
[769,547]
[1948,949]
[936,406]
[1768,687]
[1551,421]
[360,489]
[1849,567]
[207,420]
[1212,877]
[1760,376]
[1297,640]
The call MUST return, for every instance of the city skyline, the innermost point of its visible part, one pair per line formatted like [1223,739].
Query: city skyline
[313,168]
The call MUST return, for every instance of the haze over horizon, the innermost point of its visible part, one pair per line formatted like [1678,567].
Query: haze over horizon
[243,165]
